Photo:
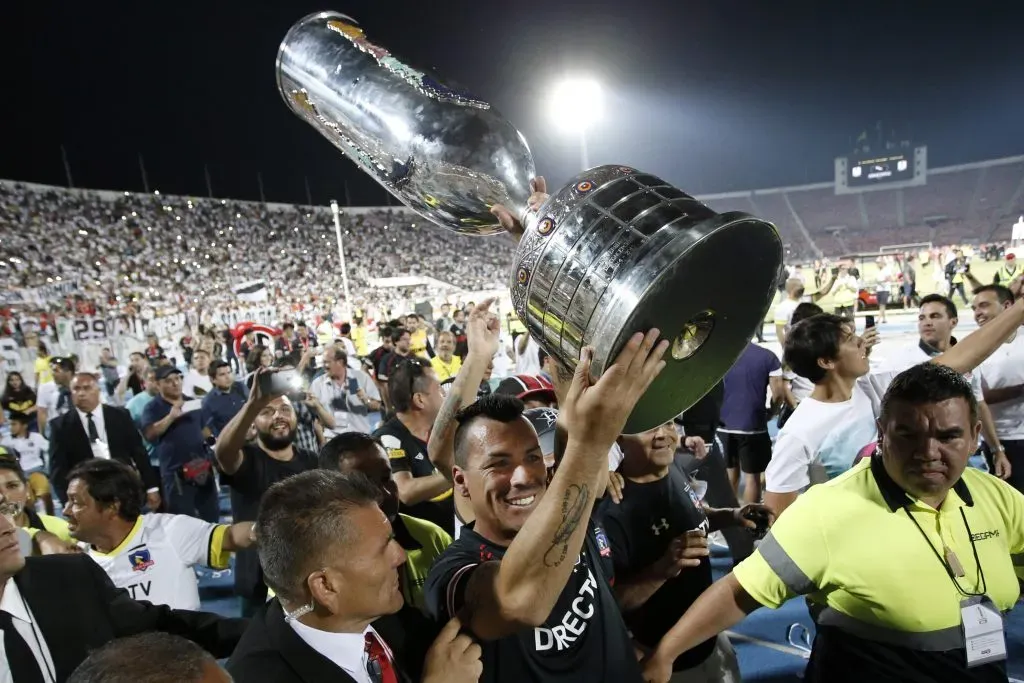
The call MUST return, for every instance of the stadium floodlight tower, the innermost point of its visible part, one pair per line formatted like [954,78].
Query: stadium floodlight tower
[575,105]
[336,211]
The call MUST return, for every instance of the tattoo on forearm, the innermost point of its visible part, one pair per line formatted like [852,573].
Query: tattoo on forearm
[446,415]
[573,504]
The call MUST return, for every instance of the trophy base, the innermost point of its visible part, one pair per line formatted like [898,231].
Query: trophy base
[707,295]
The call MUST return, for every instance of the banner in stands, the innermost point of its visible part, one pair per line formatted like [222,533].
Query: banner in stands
[87,328]
[253,290]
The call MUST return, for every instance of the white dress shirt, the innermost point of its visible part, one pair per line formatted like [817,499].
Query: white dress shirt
[97,418]
[346,650]
[24,623]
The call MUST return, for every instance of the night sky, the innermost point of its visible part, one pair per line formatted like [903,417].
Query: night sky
[714,95]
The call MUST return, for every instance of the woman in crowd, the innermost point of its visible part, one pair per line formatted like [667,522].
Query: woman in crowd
[18,397]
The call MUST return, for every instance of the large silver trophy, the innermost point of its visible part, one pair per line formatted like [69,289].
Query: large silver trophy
[614,252]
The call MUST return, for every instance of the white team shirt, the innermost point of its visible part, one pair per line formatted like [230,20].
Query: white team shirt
[155,560]
[31,450]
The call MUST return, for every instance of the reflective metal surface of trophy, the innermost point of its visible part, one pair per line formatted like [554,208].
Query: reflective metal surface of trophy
[444,153]
[614,252]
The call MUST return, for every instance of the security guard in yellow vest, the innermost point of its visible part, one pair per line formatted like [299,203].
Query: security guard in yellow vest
[1007,272]
[909,559]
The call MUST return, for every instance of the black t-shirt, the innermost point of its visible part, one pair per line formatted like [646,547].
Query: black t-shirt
[584,640]
[376,356]
[639,531]
[409,454]
[257,474]
[135,384]
[388,363]
[703,417]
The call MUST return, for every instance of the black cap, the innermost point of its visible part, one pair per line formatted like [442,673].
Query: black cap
[543,421]
[166,371]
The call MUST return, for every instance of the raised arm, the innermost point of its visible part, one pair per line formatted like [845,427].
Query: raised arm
[228,450]
[483,332]
[521,590]
[980,344]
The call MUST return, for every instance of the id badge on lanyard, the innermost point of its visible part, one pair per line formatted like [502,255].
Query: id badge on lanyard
[982,626]
[980,620]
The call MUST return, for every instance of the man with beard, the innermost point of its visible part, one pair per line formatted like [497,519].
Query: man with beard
[252,468]
[531,577]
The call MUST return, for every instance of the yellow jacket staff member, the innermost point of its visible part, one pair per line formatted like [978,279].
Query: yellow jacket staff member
[896,556]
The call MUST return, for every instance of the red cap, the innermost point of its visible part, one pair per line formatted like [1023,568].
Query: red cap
[1011,256]
[525,387]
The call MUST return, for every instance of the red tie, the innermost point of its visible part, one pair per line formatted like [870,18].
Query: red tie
[378,660]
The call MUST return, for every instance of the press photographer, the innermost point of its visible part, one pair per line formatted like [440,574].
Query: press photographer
[348,394]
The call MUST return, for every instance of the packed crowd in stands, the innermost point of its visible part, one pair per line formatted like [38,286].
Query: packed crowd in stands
[438,506]
[119,250]
[160,255]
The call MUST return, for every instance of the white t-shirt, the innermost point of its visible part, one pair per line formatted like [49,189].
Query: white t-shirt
[194,379]
[48,397]
[910,355]
[883,280]
[1005,368]
[155,560]
[527,362]
[820,441]
[31,450]
[800,387]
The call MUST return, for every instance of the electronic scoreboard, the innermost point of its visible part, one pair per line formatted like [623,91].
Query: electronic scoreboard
[883,170]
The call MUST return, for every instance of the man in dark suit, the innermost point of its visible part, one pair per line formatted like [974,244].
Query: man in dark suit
[93,430]
[328,552]
[47,636]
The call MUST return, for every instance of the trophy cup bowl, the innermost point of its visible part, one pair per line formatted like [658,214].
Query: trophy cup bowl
[614,252]
[617,251]
[445,154]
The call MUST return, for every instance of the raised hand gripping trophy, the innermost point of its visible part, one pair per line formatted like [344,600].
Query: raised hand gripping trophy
[614,252]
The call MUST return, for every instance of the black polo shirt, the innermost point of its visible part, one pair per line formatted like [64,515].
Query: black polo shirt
[409,454]
[584,640]
[640,529]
